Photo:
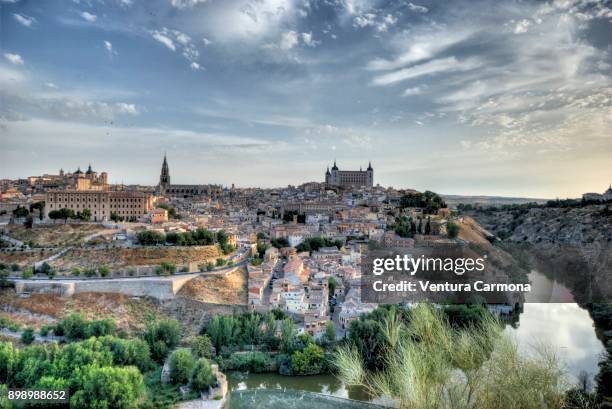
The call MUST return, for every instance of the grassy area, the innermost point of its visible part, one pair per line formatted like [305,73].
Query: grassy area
[161,395]
[54,235]
[131,314]
[123,257]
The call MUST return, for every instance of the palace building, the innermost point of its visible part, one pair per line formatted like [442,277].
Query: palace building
[78,180]
[165,188]
[350,178]
[127,204]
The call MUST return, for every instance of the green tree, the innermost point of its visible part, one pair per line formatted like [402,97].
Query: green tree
[181,364]
[202,375]
[309,361]
[220,262]
[288,334]
[332,283]
[40,206]
[329,336]
[27,336]
[21,212]
[86,215]
[452,229]
[202,347]
[27,273]
[109,387]
[104,271]
[162,336]
[75,327]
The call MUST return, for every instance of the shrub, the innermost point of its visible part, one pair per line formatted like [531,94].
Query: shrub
[309,361]
[202,376]
[452,229]
[104,271]
[162,336]
[181,364]
[27,336]
[249,361]
[26,273]
[76,271]
[202,347]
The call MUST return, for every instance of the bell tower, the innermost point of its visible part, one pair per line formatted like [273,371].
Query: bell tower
[164,178]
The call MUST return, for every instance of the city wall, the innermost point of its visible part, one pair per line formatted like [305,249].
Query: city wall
[162,288]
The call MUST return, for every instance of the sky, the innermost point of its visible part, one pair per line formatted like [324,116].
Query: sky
[509,98]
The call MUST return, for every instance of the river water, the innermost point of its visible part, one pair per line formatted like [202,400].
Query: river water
[565,327]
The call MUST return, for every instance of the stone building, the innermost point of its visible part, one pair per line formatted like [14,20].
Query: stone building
[165,188]
[78,180]
[102,203]
[350,178]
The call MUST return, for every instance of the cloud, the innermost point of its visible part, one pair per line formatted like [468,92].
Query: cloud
[387,21]
[157,35]
[14,58]
[522,26]
[416,8]
[422,45]
[88,17]
[174,40]
[24,20]
[109,48]
[289,40]
[308,40]
[412,91]
[206,41]
[365,20]
[181,4]
[195,66]
[429,68]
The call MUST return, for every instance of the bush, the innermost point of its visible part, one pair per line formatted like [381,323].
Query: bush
[220,262]
[249,361]
[76,271]
[104,271]
[162,336]
[452,229]
[109,387]
[202,347]
[309,361]
[202,376]
[181,364]
[26,273]
[165,269]
[27,336]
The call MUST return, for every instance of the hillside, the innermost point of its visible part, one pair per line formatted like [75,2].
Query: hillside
[572,243]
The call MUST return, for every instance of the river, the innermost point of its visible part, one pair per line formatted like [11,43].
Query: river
[565,327]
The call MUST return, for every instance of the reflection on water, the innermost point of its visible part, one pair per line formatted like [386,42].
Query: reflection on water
[326,384]
[565,327]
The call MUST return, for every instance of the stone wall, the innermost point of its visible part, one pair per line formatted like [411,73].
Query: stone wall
[158,287]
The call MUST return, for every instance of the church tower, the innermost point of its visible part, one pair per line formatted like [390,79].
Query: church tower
[164,178]
[370,175]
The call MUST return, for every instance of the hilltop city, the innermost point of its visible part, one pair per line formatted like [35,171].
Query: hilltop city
[287,262]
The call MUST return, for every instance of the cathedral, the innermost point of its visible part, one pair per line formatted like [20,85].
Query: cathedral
[165,188]
[350,178]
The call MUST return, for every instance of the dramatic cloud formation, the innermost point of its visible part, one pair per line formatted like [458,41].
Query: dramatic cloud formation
[473,96]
